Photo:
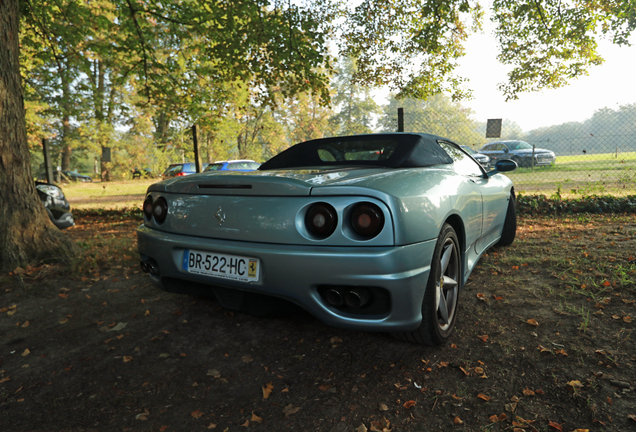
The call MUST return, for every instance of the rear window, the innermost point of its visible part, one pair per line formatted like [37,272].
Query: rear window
[243,166]
[376,150]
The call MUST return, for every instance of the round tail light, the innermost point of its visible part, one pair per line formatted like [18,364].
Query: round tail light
[367,220]
[321,220]
[147,207]
[160,210]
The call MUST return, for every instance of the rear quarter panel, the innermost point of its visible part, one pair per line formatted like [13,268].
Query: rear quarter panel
[420,200]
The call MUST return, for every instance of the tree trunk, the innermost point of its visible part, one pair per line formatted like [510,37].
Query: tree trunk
[26,234]
[66,118]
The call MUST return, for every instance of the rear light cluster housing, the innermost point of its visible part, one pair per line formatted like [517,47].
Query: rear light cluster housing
[155,209]
[364,219]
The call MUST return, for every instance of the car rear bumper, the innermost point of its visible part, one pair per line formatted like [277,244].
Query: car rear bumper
[300,273]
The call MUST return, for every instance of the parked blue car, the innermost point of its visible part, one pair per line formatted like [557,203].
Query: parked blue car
[373,232]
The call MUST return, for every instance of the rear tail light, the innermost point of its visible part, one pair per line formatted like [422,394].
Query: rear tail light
[160,210]
[147,207]
[181,174]
[321,220]
[367,220]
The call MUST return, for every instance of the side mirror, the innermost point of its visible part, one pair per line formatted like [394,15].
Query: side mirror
[506,150]
[504,165]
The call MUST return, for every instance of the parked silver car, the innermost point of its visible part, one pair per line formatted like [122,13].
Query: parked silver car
[373,232]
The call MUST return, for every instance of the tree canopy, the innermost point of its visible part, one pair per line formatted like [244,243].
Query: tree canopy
[154,67]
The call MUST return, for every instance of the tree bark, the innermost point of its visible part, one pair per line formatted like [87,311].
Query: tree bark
[26,234]
[66,117]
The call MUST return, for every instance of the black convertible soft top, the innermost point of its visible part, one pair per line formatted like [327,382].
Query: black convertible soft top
[389,150]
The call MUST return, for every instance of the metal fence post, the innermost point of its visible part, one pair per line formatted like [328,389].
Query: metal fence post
[400,120]
[197,159]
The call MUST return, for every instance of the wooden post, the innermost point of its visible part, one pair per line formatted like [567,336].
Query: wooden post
[48,168]
[197,158]
[400,120]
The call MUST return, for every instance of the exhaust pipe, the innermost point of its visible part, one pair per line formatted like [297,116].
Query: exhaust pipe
[333,297]
[149,267]
[144,266]
[356,298]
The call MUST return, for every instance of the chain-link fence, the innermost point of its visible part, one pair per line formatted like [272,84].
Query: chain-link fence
[594,157]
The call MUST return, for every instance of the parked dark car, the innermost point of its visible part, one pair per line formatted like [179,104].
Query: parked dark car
[234,165]
[481,158]
[56,205]
[75,176]
[141,173]
[181,169]
[518,151]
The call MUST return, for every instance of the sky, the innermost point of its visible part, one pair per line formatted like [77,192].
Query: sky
[610,85]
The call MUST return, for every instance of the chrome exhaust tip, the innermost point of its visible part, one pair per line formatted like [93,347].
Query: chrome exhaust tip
[357,298]
[333,297]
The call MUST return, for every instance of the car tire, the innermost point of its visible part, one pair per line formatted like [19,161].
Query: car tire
[441,297]
[510,224]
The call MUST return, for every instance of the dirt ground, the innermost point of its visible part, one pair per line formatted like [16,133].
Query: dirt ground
[544,342]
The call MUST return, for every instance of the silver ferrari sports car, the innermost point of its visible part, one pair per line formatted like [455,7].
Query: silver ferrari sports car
[373,232]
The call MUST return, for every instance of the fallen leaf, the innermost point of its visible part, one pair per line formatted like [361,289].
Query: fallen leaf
[64,321]
[119,326]
[143,416]
[528,392]
[164,355]
[479,370]
[607,283]
[383,407]
[409,404]
[26,324]
[482,297]
[493,418]
[533,322]
[256,418]
[196,414]
[267,390]
[290,409]
[163,428]
[63,296]
[362,428]
[246,424]
[26,352]
[629,416]
[381,425]
[215,373]
[626,319]
[211,426]
[464,370]
[127,359]
[539,392]
[575,384]
[483,396]
[5,380]
[502,417]
[556,426]
[483,337]
[457,420]
[247,358]
[335,339]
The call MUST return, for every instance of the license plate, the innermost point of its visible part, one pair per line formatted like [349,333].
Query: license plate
[224,266]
